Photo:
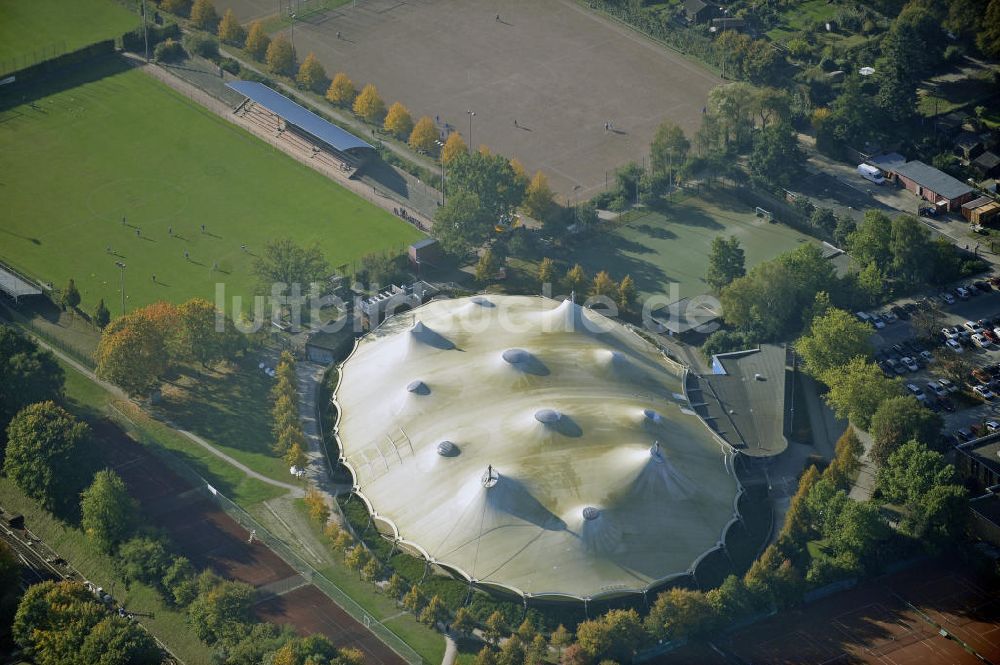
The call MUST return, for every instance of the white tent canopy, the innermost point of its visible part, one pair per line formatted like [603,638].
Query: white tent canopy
[566,413]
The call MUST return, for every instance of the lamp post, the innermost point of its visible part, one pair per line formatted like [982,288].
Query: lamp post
[291,15]
[441,161]
[472,114]
[121,267]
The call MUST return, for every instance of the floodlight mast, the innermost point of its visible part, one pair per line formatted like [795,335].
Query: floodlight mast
[121,267]
[145,31]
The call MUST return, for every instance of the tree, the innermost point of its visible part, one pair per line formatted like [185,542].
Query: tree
[102,316]
[680,614]
[774,580]
[53,620]
[71,296]
[284,262]
[115,640]
[615,635]
[179,582]
[413,600]
[576,278]
[575,655]
[203,15]
[526,631]
[537,650]
[369,571]
[897,91]
[179,7]
[398,121]
[486,656]
[910,472]
[511,651]
[486,267]
[669,148]
[341,91]
[546,271]
[494,627]
[560,639]
[258,42]
[627,293]
[461,224]
[731,600]
[435,612]
[726,262]
[911,249]
[316,506]
[604,287]
[926,322]
[901,419]
[846,459]
[356,558]
[230,31]
[492,179]
[858,389]
[538,197]
[30,374]
[135,349]
[463,623]
[832,340]
[988,35]
[198,336]
[109,513]
[45,455]
[369,105]
[394,587]
[424,135]
[222,611]
[776,157]
[454,147]
[280,56]
[295,455]
[311,74]
[143,559]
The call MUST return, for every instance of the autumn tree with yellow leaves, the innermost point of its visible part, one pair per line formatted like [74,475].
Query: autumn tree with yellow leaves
[369,105]
[341,91]
[398,121]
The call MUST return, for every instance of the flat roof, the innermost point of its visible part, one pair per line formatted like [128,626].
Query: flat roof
[16,287]
[888,162]
[299,116]
[986,453]
[933,179]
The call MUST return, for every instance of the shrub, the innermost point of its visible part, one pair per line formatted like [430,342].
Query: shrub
[169,51]
[203,45]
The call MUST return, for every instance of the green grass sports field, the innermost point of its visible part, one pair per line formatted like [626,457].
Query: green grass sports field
[114,143]
[671,247]
[29,28]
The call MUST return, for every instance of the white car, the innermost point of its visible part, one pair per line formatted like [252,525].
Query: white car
[947,385]
[992,426]
[949,333]
[954,345]
[962,292]
[878,322]
[948,298]
[937,389]
[973,327]
[996,331]
[981,341]
[984,392]
[910,364]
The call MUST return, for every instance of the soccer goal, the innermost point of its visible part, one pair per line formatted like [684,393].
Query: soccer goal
[760,212]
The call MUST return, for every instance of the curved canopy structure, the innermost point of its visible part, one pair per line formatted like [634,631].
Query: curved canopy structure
[549,451]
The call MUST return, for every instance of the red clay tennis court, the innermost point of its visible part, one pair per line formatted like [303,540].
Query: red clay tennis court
[894,620]
[211,539]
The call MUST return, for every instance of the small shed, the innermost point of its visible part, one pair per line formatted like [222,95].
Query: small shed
[982,210]
[986,165]
[696,11]
[426,252]
[722,24]
[968,145]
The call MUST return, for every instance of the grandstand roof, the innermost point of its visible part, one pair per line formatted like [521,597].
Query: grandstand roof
[16,287]
[299,116]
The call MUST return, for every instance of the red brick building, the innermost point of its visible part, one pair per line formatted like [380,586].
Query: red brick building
[933,185]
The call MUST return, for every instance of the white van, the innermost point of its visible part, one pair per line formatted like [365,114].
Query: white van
[870,173]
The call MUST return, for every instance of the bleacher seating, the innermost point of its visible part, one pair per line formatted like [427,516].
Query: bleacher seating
[267,122]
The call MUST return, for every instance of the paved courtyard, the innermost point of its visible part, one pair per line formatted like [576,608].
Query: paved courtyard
[555,67]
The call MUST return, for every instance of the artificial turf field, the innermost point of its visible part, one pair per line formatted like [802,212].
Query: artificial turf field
[53,27]
[114,142]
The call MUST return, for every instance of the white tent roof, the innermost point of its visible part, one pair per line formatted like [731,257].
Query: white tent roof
[588,415]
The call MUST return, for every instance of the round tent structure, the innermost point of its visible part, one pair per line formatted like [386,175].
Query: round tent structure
[532,446]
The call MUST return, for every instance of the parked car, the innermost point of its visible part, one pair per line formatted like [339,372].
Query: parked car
[953,345]
[984,392]
[914,390]
[889,317]
[980,375]
[962,293]
[971,290]
[926,356]
[947,404]
[948,385]
[972,326]
[990,335]
[937,389]
[981,341]
[900,312]
[910,364]
[863,317]
[983,286]
[948,298]
[950,332]
[877,322]
[992,426]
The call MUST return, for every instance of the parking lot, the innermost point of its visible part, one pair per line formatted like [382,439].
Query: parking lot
[898,340]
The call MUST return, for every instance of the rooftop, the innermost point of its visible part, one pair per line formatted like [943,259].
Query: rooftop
[15,286]
[299,116]
[937,181]
[987,160]
[888,162]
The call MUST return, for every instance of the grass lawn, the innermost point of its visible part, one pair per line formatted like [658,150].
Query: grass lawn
[168,624]
[800,17]
[425,641]
[88,398]
[230,408]
[35,30]
[948,93]
[111,142]
[667,252]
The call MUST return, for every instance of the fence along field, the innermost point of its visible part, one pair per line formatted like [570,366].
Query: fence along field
[106,164]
